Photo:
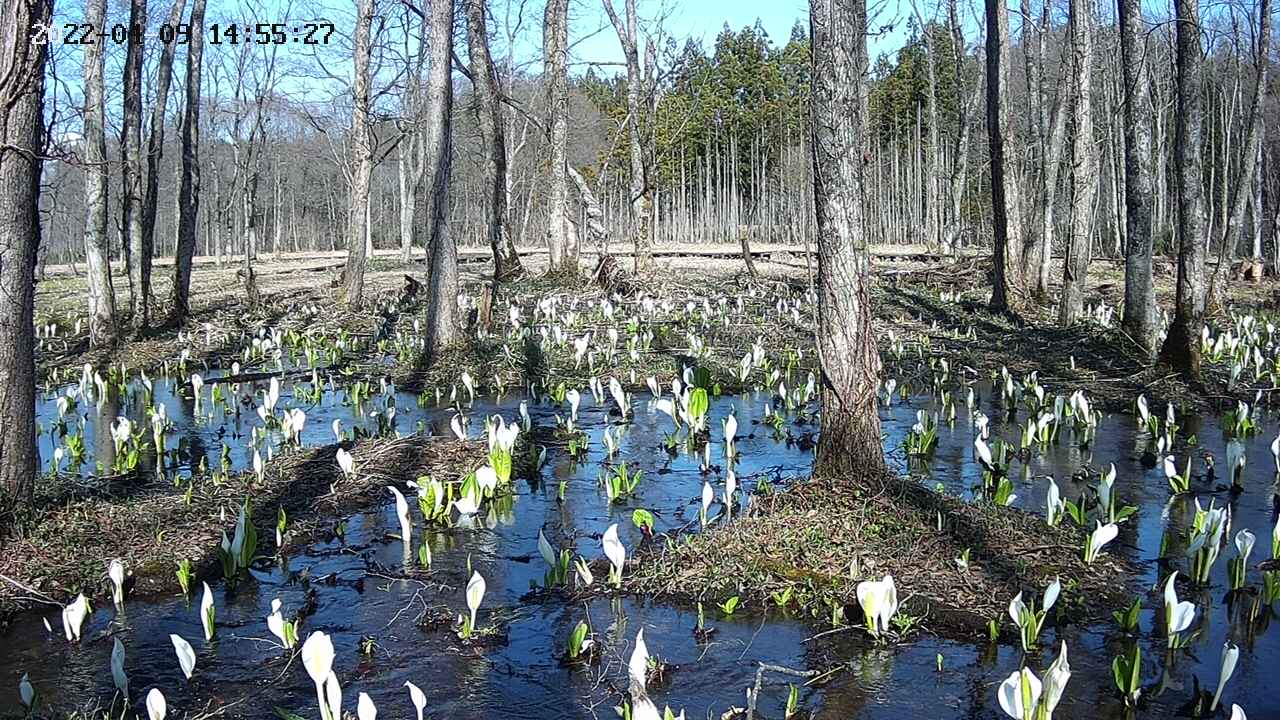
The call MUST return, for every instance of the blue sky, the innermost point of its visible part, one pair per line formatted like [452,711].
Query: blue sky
[705,18]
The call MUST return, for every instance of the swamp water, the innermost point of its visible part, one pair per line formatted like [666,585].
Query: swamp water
[243,673]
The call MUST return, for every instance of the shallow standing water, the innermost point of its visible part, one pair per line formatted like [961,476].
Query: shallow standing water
[244,673]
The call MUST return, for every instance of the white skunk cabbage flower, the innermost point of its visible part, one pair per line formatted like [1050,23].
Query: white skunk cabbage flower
[1230,655]
[475,593]
[1178,615]
[418,697]
[365,709]
[1245,541]
[317,658]
[207,612]
[156,705]
[186,655]
[584,572]
[984,452]
[616,553]
[638,665]
[730,433]
[346,462]
[276,624]
[333,696]
[73,617]
[402,512]
[115,571]
[1100,536]
[118,675]
[544,548]
[27,692]
[466,505]
[708,495]
[1055,682]
[487,478]
[1019,694]
[879,601]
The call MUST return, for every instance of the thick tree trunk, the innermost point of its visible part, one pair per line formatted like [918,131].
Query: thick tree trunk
[189,183]
[1084,164]
[850,363]
[442,311]
[102,301]
[131,196]
[361,159]
[1181,348]
[22,68]
[506,262]
[1139,319]
[151,169]
[638,110]
[1008,276]
[561,242]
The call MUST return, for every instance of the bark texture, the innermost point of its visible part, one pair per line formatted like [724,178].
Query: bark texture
[1139,318]
[1181,349]
[562,243]
[189,173]
[506,262]
[850,363]
[1008,276]
[131,195]
[442,267]
[97,247]
[151,169]
[1084,164]
[641,199]
[22,68]
[361,159]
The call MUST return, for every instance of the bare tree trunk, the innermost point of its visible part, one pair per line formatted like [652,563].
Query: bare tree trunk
[1008,276]
[595,214]
[637,115]
[1242,184]
[506,262]
[1181,348]
[1139,319]
[361,159]
[189,185]
[131,197]
[151,169]
[931,170]
[442,310]
[850,363]
[1037,245]
[555,51]
[22,134]
[102,301]
[964,110]
[1084,164]
[405,167]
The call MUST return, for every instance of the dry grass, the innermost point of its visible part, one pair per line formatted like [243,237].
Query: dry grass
[149,523]
[822,537]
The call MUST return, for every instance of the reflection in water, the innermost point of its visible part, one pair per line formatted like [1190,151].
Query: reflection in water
[354,597]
